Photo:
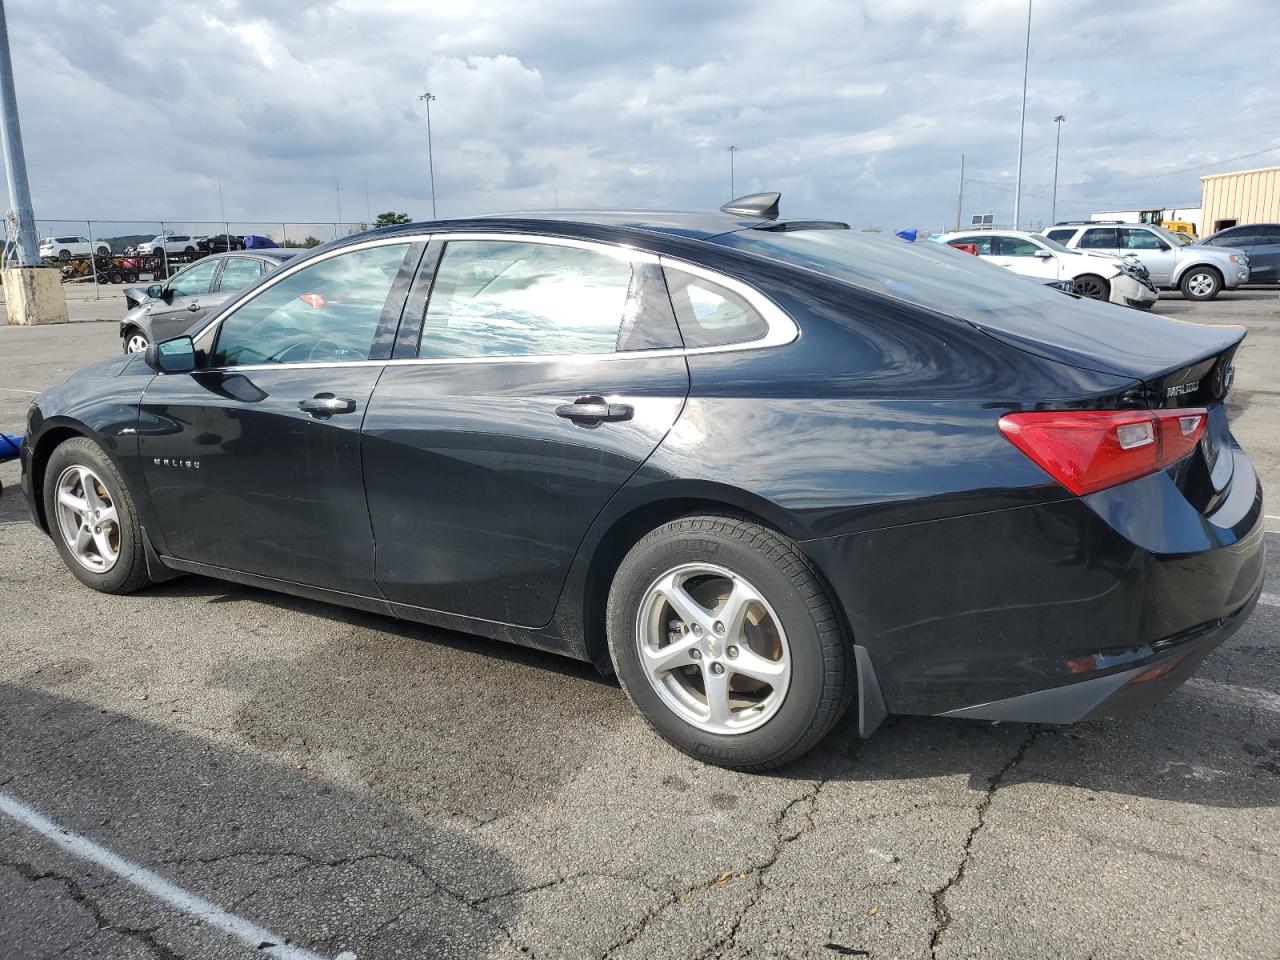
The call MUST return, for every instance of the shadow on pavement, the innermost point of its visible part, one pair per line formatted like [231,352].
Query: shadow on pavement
[332,869]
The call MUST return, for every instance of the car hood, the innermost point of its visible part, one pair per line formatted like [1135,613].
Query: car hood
[1207,254]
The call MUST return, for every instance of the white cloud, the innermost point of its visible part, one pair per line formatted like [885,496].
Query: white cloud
[857,110]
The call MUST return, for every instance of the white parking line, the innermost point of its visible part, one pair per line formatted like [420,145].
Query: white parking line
[30,393]
[241,929]
[1270,599]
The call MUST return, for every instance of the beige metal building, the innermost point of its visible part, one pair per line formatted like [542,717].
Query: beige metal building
[1248,196]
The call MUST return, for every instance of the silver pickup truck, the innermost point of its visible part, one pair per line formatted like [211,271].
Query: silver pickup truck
[1199,272]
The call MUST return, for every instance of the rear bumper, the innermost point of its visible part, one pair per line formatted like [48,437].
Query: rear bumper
[1123,690]
[1049,612]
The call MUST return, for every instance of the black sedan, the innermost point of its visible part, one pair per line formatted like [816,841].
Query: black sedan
[760,468]
[220,243]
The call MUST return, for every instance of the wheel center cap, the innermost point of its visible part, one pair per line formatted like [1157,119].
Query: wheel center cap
[711,648]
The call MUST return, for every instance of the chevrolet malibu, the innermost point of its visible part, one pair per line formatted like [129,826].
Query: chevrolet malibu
[761,469]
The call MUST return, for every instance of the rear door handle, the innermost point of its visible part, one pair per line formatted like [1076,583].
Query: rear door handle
[324,405]
[592,410]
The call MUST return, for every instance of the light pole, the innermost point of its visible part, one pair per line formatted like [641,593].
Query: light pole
[15,161]
[1057,147]
[1022,126]
[733,193]
[431,166]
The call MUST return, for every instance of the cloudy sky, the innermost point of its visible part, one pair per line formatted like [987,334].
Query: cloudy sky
[856,109]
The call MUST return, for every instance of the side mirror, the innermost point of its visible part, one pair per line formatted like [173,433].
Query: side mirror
[1044,254]
[155,291]
[171,356]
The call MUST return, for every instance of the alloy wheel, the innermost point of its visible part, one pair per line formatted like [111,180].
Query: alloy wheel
[1090,287]
[136,343]
[713,649]
[87,518]
[1200,285]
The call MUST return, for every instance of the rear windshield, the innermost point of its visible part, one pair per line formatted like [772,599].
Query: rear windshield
[933,275]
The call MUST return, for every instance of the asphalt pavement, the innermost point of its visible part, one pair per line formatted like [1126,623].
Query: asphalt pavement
[204,770]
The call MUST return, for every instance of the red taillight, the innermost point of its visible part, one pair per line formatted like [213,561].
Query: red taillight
[1090,450]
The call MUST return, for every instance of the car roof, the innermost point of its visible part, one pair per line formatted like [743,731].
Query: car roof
[691,225]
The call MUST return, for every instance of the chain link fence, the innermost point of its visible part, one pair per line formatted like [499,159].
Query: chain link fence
[93,254]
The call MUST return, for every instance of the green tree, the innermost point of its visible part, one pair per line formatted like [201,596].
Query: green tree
[390,219]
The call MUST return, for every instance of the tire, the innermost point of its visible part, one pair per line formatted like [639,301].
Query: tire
[189,250]
[135,341]
[64,254]
[719,554]
[128,570]
[1201,283]
[1092,286]
[104,251]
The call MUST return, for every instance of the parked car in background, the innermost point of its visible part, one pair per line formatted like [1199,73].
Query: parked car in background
[174,305]
[760,469]
[1200,272]
[1097,276]
[220,242]
[64,248]
[1260,242]
[171,244]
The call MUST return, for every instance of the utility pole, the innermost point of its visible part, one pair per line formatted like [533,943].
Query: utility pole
[431,163]
[15,160]
[368,210]
[337,189]
[1022,126]
[733,193]
[960,194]
[222,211]
[1057,148]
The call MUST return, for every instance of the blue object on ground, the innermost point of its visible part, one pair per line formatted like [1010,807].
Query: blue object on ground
[908,235]
[9,444]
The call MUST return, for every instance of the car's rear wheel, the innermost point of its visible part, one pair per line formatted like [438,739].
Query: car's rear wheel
[104,251]
[1092,286]
[92,518]
[64,254]
[135,341]
[1201,283]
[189,250]
[725,640]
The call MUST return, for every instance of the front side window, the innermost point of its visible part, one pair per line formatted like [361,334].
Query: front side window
[711,315]
[499,298]
[324,313]
[1103,238]
[239,272]
[1140,240]
[193,281]
[1237,238]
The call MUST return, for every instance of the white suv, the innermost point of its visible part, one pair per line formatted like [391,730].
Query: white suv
[170,244]
[1029,254]
[1199,272]
[64,248]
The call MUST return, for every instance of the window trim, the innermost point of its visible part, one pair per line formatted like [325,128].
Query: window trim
[781,329]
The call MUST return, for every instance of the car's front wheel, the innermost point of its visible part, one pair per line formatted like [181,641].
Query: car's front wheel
[64,255]
[1092,286]
[725,640]
[92,518]
[1201,283]
[135,341]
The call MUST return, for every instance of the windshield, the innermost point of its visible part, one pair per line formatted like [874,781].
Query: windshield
[1054,244]
[933,275]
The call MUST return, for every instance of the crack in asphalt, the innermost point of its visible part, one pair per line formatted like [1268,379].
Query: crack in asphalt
[782,838]
[941,913]
[143,935]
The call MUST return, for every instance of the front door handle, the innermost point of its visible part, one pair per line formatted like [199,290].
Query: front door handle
[593,410]
[193,306]
[324,405]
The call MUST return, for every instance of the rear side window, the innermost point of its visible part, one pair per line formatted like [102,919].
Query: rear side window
[711,315]
[499,298]
[1062,236]
[1103,238]
[239,272]
[68,240]
[983,243]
